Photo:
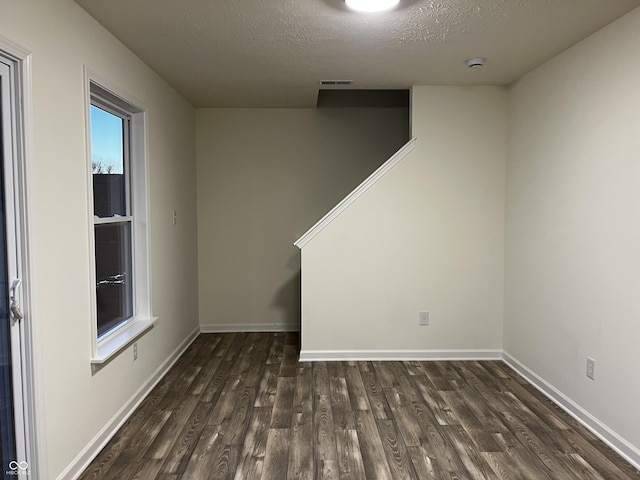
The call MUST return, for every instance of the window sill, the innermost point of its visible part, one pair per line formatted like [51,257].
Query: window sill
[114,344]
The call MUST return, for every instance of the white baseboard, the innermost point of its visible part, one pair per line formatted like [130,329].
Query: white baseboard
[602,431]
[249,327]
[398,355]
[86,456]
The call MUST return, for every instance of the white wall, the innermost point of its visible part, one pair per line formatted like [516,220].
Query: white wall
[77,404]
[573,225]
[264,177]
[428,236]
[435,242]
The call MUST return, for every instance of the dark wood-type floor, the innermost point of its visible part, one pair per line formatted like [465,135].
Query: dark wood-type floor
[240,406]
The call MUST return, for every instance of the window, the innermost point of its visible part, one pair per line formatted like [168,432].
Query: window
[119,216]
[112,215]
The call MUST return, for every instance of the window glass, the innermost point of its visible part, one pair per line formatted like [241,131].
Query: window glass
[114,286]
[108,163]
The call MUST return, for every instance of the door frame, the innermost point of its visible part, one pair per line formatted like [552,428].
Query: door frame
[19,60]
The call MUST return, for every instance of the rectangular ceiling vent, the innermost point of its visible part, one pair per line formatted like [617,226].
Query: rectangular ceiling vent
[335,83]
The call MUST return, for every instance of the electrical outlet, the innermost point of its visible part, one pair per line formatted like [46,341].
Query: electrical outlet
[135,351]
[591,368]
[424,318]
[175,217]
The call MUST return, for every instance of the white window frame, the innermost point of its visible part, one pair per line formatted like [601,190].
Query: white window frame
[104,101]
[107,346]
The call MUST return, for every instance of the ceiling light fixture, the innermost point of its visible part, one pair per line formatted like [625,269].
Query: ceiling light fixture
[371,6]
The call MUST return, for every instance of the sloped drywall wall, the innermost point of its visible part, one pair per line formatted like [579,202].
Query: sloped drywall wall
[426,237]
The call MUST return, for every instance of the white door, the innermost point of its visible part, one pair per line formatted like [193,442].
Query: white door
[13,438]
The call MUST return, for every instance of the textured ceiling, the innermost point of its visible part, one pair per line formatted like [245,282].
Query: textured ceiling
[272,53]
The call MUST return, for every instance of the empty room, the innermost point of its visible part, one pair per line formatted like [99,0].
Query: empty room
[323,239]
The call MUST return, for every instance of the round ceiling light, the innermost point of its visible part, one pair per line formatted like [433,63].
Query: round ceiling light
[371,6]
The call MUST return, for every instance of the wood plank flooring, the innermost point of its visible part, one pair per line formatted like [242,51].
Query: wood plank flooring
[240,406]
